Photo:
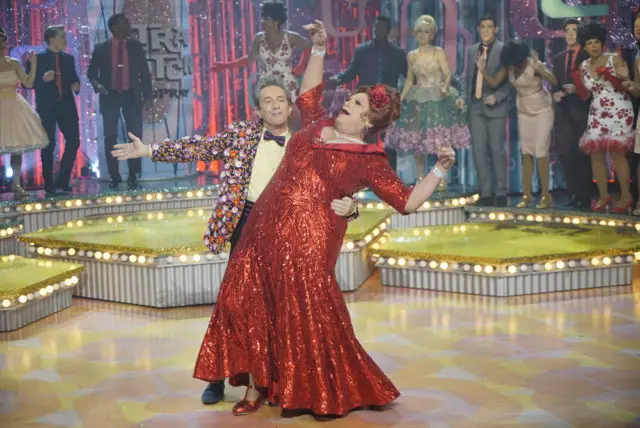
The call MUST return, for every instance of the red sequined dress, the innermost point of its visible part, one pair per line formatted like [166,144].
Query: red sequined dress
[280,313]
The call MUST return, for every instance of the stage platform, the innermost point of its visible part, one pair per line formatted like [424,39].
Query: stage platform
[32,289]
[443,208]
[557,216]
[43,213]
[158,259]
[10,229]
[508,258]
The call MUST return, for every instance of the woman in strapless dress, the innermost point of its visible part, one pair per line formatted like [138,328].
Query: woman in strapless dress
[20,127]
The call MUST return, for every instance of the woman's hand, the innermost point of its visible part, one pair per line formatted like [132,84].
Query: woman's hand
[33,58]
[317,32]
[343,207]
[535,62]
[460,103]
[621,69]
[446,158]
[136,149]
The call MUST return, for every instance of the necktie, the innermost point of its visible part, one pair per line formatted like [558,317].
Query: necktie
[58,76]
[379,65]
[479,75]
[268,136]
[568,68]
[120,67]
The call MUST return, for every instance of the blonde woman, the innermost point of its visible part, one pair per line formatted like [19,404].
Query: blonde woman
[432,117]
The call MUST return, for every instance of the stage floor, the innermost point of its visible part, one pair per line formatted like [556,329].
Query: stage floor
[560,360]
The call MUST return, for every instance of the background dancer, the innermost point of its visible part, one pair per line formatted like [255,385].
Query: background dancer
[571,116]
[535,112]
[56,82]
[20,127]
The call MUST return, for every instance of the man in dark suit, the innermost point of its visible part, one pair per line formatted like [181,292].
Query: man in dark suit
[376,61]
[571,119]
[119,72]
[55,84]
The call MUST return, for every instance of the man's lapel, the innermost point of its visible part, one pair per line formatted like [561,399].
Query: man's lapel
[493,61]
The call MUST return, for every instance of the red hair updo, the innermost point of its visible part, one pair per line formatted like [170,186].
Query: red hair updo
[384,106]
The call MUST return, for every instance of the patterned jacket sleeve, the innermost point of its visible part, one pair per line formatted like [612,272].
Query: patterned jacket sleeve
[195,148]
[385,183]
[310,105]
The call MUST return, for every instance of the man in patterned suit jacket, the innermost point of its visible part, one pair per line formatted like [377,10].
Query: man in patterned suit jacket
[251,152]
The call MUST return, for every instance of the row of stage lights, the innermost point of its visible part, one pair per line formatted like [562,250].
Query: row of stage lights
[359,244]
[575,220]
[45,291]
[139,259]
[108,200]
[489,269]
[130,217]
[447,203]
[10,231]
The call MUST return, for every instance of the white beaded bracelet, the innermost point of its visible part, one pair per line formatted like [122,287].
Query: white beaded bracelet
[438,172]
[316,51]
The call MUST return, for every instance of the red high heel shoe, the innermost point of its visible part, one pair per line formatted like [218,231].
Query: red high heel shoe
[246,407]
[624,209]
[602,206]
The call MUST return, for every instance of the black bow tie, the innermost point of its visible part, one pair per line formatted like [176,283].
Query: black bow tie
[268,136]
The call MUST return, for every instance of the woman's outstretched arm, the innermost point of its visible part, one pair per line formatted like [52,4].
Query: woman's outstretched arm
[315,68]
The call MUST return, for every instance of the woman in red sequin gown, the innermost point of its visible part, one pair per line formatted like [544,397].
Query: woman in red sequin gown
[280,314]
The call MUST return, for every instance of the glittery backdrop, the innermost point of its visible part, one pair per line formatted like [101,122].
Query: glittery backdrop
[222,31]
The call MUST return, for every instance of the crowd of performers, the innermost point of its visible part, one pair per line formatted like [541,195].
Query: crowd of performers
[280,326]
[587,113]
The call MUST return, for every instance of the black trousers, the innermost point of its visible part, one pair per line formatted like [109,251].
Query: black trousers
[577,172]
[68,124]
[237,233]
[111,105]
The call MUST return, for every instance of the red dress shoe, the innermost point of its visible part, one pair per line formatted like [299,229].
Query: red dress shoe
[623,208]
[246,407]
[602,204]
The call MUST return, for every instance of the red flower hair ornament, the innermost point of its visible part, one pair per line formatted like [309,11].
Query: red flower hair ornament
[379,96]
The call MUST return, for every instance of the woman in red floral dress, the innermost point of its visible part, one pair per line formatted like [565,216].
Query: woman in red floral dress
[610,126]
[281,325]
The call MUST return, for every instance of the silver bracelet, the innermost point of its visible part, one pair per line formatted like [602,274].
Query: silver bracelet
[317,51]
[438,172]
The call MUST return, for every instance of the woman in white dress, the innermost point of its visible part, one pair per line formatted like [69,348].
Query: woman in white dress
[274,48]
[20,127]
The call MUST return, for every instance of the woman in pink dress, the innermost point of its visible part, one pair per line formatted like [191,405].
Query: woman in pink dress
[610,123]
[535,112]
[281,325]
[20,127]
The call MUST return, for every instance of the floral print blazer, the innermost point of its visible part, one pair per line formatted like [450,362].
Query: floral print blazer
[236,146]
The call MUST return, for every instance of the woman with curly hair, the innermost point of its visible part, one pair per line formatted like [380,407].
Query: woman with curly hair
[610,123]
[432,116]
[274,48]
[280,325]
[535,112]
